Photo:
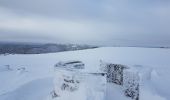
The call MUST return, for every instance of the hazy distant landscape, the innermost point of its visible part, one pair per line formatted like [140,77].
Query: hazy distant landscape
[37,48]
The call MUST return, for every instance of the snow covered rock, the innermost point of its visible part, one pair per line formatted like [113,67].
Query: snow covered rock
[70,65]
[122,75]
[70,79]
[21,70]
[131,84]
[5,68]
[114,72]
[67,76]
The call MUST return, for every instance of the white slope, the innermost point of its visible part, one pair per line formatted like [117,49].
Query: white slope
[35,82]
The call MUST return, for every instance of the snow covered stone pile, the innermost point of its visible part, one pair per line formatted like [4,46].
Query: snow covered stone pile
[131,84]
[115,73]
[122,75]
[71,78]
[68,76]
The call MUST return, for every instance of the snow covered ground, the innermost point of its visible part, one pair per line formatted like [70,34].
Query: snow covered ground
[30,77]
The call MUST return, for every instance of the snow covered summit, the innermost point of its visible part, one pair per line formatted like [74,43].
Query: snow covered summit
[36,82]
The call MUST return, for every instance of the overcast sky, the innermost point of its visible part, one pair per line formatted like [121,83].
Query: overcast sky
[86,21]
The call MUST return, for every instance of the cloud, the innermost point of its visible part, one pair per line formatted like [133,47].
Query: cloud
[65,29]
[77,21]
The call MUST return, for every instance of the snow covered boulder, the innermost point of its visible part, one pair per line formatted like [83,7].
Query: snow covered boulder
[131,84]
[73,80]
[70,65]
[5,68]
[124,76]
[21,70]
[67,76]
[114,72]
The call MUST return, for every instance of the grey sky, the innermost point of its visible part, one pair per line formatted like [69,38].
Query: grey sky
[85,21]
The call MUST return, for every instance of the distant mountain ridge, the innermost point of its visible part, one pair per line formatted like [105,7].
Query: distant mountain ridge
[36,48]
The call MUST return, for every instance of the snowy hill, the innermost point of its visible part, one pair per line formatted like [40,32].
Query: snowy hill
[30,77]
